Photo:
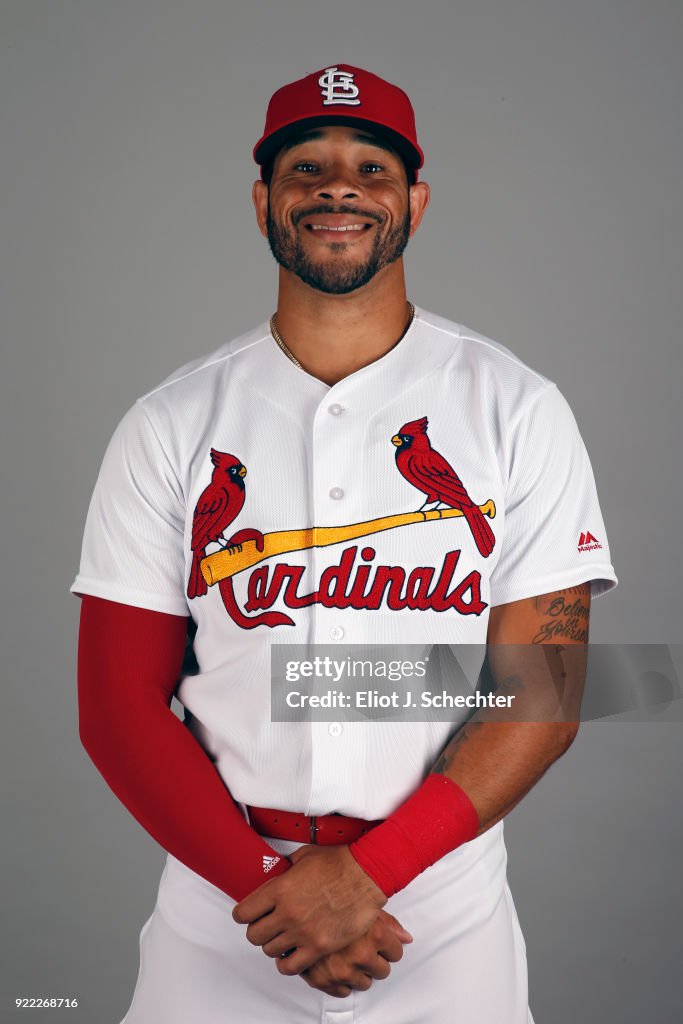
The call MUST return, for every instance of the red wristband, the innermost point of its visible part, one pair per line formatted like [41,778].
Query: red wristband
[436,819]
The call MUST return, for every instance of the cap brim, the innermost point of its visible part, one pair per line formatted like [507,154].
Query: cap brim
[268,146]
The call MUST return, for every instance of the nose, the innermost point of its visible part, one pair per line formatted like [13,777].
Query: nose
[338,184]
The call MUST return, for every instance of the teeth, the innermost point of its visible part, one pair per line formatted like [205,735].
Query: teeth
[346,227]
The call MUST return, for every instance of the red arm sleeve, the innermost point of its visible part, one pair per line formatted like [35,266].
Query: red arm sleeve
[129,662]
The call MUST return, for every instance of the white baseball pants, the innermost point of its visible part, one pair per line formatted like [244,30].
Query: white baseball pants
[467,964]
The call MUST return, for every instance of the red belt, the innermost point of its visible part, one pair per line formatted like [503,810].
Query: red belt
[324,829]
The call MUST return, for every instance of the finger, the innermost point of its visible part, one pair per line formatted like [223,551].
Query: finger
[386,942]
[333,969]
[337,975]
[378,968]
[278,946]
[318,976]
[403,933]
[298,961]
[255,905]
[357,965]
[338,991]
[264,930]
[365,960]
[390,947]
[358,956]
[358,980]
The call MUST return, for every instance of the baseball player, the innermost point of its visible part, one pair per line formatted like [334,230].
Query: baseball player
[356,470]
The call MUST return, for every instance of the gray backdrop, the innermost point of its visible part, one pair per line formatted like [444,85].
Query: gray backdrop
[553,142]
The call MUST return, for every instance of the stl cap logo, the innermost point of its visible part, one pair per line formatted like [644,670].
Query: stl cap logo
[338,87]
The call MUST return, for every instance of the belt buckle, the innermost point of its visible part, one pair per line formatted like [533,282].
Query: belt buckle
[314,828]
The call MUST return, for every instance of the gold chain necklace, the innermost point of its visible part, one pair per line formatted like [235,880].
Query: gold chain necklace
[280,341]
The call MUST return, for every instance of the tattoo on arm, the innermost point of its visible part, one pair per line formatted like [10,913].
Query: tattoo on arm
[565,617]
[443,762]
[512,683]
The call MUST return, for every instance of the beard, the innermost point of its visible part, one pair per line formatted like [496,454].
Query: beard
[335,277]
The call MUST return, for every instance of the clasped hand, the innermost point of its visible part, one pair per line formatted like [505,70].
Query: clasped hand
[323,919]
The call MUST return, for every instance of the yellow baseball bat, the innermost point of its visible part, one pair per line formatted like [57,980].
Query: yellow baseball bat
[230,561]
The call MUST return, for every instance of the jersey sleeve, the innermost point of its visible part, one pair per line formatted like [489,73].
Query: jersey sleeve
[554,534]
[133,541]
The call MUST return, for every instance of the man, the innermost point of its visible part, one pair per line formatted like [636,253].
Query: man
[356,471]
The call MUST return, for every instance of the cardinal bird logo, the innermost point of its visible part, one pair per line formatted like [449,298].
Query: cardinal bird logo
[219,503]
[427,470]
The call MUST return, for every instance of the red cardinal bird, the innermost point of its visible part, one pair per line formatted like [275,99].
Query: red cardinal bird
[219,503]
[430,473]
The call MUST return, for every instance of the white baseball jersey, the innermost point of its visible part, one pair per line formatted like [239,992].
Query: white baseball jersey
[320,461]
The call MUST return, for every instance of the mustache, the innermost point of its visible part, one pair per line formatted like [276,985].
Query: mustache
[354,211]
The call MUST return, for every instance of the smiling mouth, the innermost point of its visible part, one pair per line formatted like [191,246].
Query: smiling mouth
[339,230]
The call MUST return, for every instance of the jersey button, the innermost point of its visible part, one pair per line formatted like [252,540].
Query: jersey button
[335,729]
[336,493]
[335,409]
[337,632]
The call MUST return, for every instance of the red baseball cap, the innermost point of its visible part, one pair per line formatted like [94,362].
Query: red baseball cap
[341,94]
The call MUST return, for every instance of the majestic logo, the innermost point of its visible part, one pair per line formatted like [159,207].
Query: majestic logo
[338,87]
[587,542]
[352,582]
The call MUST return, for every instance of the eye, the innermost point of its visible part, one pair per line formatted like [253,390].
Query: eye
[305,166]
[405,437]
[372,165]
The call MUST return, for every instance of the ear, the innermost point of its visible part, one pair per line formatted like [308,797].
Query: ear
[419,201]
[259,195]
